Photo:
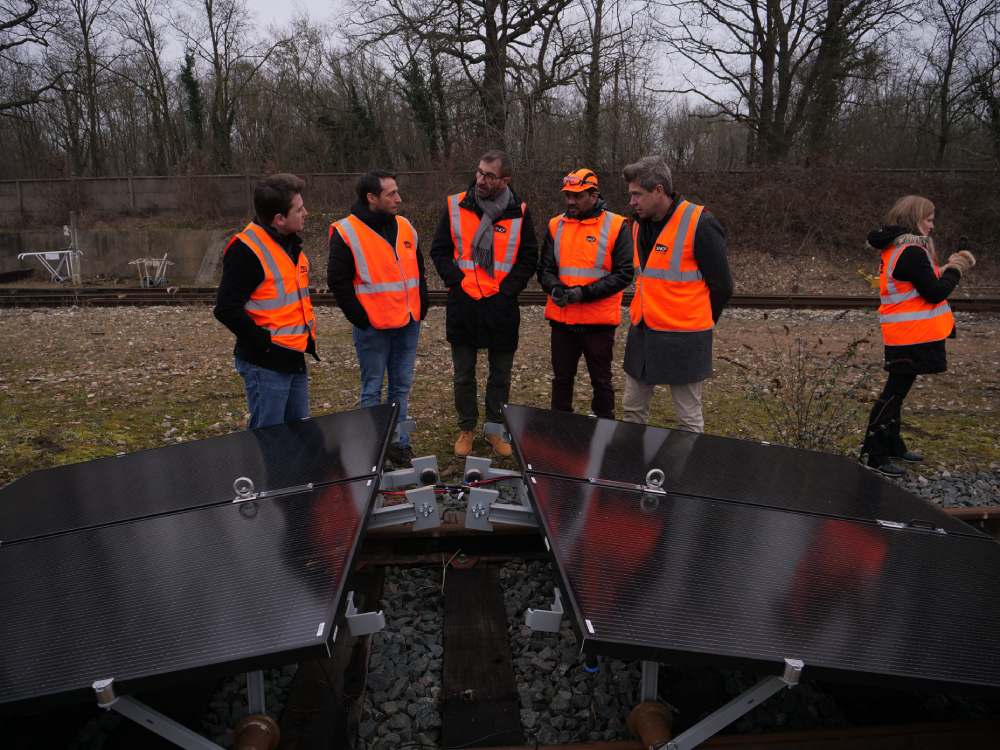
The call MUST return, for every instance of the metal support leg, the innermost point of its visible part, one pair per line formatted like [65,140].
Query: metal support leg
[154,721]
[649,688]
[737,707]
[255,692]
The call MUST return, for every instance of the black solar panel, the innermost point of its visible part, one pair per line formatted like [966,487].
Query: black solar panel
[197,581]
[750,575]
[708,466]
[320,450]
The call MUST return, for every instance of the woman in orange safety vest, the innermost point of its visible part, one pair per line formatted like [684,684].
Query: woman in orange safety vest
[915,319]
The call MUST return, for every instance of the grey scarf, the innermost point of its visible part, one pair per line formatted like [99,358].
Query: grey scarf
[482,240]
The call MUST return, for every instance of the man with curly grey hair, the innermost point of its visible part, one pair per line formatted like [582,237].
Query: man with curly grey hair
[682,284]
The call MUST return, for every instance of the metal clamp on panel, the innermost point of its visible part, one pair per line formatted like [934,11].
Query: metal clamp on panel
[423,470]
[546,620]
[362,623]
[738,706]
[245,490]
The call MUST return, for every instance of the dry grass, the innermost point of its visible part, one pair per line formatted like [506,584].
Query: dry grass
[79,383]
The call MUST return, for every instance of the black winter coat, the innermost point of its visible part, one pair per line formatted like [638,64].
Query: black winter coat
[491,322]
[914,267]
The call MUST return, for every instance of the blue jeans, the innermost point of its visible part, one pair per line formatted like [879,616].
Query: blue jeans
[393,350]
[274,397]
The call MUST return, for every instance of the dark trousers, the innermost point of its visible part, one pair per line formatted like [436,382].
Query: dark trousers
[596,344]
[882,438]
[497,384]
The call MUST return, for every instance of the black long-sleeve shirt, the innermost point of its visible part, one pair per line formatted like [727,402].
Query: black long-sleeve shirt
[342,269]
[914,266]
[242,273]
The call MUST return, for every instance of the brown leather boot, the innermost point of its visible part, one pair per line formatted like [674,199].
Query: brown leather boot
[500,446]
[463,446]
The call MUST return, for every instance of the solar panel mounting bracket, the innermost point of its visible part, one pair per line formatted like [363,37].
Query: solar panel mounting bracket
[422,470]
[737,707]
[545,620]
[153,720]
[421,510]
[362,623]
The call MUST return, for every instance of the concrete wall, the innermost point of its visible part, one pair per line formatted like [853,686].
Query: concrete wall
[106,252]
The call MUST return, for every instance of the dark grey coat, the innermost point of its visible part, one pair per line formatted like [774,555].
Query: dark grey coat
[669,357]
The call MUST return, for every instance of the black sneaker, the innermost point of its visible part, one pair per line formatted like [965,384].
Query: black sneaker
[912,457]
[400,455]
[888,468]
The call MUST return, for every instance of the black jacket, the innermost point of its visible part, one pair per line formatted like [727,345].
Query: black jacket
[491,322]
[241,275]
[914,267]
[622,269]
[341,268]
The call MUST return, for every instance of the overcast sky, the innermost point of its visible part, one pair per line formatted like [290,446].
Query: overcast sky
[280,12]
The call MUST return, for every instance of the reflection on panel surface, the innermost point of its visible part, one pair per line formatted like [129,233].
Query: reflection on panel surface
[320,450]
[714,467]
[205,586]
[684,575]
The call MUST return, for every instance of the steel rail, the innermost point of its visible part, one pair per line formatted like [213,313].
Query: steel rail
[126,296]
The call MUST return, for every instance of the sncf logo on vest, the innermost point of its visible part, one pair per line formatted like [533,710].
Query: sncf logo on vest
[407,243]
[591,238]
[660,249]
[502,230]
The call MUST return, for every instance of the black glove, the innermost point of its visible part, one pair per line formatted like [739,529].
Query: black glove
[558,295]
[574,294]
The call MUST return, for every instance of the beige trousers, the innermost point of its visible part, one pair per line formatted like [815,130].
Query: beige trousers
[687,403]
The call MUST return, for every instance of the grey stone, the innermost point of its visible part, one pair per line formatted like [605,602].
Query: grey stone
[367,729]
[398,687]
[390,708]
[399,721]
[529,719]
[561,701]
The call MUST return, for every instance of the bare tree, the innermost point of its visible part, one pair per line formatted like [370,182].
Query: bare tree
[986,82]
[141,24]
[481,36]
[755,61]
[957,23]
[220,34]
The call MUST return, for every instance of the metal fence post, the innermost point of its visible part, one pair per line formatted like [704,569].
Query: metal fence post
[20,202]
[131,194]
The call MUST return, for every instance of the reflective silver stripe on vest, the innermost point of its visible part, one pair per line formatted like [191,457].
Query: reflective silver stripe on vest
[387,286]
[456,223]
[282,298]
[602,241]
[514,239]
[558,240]
[893,299]
[905,317]
[359,256]
[597,271]
[466,265]
[674,273]
[894,295]
[289,330]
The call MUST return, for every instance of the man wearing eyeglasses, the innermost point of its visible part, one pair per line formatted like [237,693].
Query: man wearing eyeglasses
[585,266]
[682,284]
[485,251]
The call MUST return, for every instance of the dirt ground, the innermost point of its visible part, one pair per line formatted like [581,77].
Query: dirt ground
[77,383]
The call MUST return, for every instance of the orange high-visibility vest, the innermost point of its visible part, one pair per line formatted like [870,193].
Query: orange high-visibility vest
[905,316]
[386,278]
[670,293]
[281,302]
[506,241]
[583,254]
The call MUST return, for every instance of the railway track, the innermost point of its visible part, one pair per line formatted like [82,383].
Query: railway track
[325,700]
[125,296]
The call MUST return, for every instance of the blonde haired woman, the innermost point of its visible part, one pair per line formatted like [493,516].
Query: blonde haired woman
[915,319]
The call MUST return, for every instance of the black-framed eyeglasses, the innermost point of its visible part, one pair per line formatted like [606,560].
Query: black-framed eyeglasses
[488,175]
